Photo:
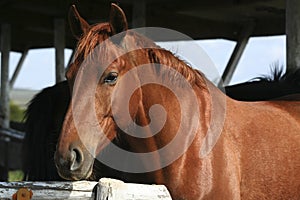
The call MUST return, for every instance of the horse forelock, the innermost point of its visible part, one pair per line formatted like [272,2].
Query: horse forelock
[88,42]
[101,32]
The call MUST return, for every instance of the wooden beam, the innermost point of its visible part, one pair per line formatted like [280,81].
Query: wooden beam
[237,54]
[4,100]
[18,69]
[59,43]
[71,59]
[293,34]
[139,14]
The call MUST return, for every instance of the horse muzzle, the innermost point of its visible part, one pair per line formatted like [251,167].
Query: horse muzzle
[74,163]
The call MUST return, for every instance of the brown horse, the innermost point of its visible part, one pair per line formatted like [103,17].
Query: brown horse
[46,112]
[171,125]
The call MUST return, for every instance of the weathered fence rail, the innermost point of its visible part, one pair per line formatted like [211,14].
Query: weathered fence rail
[50,190]
[105,189]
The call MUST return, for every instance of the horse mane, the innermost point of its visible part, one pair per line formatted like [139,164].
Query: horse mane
[277,75]
[274,86]
[167,58]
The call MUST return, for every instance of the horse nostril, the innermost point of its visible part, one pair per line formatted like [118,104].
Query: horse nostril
[76,159]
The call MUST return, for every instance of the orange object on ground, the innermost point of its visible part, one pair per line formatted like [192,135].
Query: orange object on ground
[22,194]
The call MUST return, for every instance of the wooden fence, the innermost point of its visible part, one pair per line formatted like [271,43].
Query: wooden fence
[105,189]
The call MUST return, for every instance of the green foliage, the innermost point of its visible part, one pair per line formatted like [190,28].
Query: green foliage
[16,175]
[16,113]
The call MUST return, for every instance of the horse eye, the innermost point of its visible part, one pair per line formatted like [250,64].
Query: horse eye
[111,78]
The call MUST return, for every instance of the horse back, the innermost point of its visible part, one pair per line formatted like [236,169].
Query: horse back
[291,108]
[267,138]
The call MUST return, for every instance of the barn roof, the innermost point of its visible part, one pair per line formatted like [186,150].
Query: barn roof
[33,20]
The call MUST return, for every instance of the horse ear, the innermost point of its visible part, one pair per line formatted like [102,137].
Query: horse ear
[78,25]
[117,19]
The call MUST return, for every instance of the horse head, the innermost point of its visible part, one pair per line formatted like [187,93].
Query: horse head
[72,158]
[128,90]
[101,59]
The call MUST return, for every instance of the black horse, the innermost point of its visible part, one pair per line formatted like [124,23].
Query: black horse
[278,85]
[47,109]
[44,118]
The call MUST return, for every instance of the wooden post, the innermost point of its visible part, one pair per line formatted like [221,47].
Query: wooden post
[112,189]
[3,173]
[4,156]
[292,34]
[59,43]
[18,69]
[139,14]
[5,49]
[237,54]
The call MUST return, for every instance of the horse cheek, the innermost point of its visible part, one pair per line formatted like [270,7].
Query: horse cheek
[134,103]
[125,106]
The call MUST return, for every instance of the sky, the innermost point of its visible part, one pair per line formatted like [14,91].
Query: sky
[38,70]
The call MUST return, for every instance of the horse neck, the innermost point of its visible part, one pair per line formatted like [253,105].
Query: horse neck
[159,94]
[183,113]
